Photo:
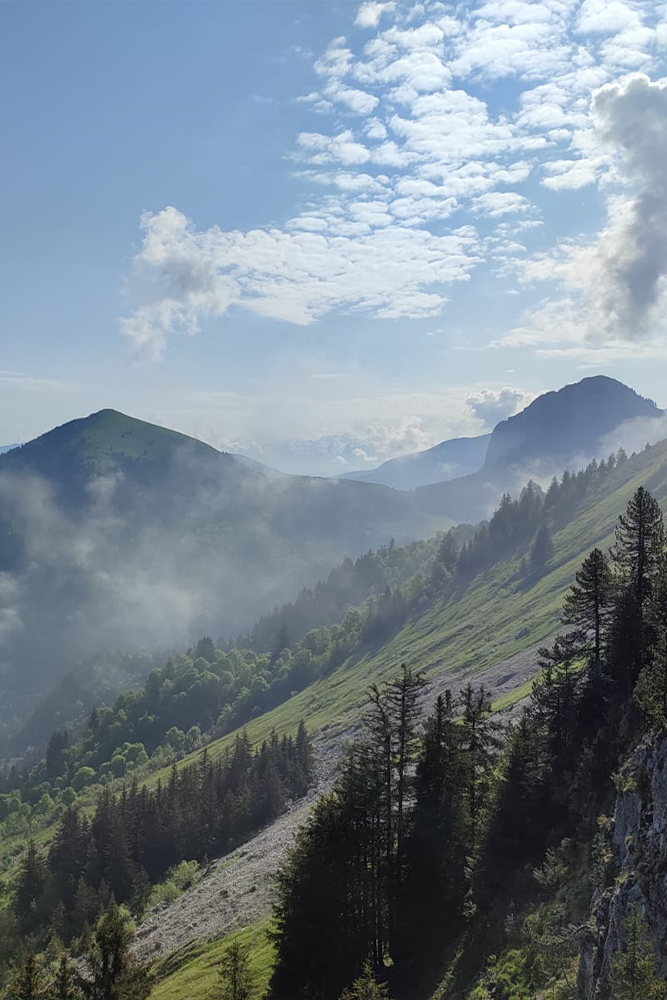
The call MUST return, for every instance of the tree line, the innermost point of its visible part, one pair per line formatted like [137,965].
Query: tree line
[136,836]
[436,826]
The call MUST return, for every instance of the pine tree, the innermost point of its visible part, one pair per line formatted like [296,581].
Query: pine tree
[30,888]
[234,972]
[64,987]
[366,987]
[542,550]
[635,970]
[27,982]
[113,973]
[589,601]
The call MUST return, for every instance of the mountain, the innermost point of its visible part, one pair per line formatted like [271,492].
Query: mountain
[558,430]
[574,421]
[116,533]
[447,460]
[7,447]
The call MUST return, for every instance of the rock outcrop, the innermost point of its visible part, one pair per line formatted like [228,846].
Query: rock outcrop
[639,842]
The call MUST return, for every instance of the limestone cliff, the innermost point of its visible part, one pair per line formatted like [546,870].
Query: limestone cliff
[638,839]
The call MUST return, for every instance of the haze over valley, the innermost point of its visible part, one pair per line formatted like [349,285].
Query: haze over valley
[333,486]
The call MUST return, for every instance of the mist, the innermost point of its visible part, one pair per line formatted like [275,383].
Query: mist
[149,557]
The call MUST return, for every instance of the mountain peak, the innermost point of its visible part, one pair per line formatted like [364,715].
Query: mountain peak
[573,420]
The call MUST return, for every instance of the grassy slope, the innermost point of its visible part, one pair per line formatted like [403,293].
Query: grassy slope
[455,637]
[98,441]
[193,973]
[473,629]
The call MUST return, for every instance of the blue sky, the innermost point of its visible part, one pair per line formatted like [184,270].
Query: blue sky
[328,233]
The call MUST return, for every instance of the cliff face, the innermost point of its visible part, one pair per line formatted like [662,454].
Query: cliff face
[639,842]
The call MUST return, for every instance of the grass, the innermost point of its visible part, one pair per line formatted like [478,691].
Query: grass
[459,636]
[193,973]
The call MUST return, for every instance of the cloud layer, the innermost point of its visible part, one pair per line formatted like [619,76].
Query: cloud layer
[417,173]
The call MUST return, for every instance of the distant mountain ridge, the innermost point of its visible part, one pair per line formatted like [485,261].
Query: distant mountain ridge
[447,460]
[562,429]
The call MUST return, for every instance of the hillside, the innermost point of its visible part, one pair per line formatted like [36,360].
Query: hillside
[433,624]
[444,639]
[447,460]
[117,534]
[564,429]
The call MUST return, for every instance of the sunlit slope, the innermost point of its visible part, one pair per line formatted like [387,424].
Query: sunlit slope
[475,627]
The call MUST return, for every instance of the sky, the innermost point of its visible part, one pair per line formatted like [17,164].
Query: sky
[326,234]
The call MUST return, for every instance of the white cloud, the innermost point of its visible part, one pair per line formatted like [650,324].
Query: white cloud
[490,406]
[615,284]
[431,148]
[182,275]
[369,14]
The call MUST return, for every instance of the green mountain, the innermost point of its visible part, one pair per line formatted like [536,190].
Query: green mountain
[116,533]
[456,623]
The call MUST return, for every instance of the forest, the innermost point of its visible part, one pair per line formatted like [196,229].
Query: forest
[452,838]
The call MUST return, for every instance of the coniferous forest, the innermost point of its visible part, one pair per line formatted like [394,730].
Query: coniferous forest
[458,845]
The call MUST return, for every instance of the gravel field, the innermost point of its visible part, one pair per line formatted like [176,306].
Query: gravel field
[238,889]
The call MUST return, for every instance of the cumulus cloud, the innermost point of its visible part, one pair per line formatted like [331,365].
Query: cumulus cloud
[615,284]
[369,14]
[182,274]
[404,144]
[490,406]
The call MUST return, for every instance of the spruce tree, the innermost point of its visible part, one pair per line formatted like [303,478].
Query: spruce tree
[234,972]
[589,601]
[543,549]
[64,987]
[30,888]
[651,689]
[640,543]
[480,742]
[366,987]
[112,971]
[638,554]
[634,969]
[27,982]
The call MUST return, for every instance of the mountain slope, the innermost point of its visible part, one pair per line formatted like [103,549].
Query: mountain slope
[447,460]
[117,533]
[558,426]
[487,631]
[561,429]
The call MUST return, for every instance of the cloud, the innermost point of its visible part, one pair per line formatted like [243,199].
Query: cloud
[182,274]
[490,406]
[410,145]
[614,285]
[369,14]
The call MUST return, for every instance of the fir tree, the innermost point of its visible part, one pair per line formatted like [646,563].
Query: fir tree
[235,975]
[634,969]
[366,987]
[589,601]
[27,982]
